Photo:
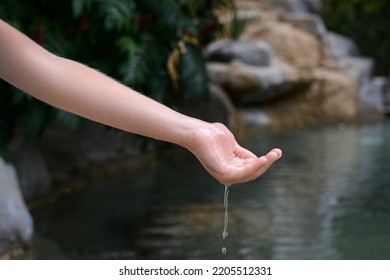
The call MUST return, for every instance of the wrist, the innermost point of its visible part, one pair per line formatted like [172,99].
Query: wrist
[192,130]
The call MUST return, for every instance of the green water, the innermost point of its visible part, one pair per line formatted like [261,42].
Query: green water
[327,198]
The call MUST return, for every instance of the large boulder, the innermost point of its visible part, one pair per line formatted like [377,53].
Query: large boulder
[248,84]
[330,97]
[255,53]
[249,81]
[69,151]
[16,224]
[289,44]
[32,171]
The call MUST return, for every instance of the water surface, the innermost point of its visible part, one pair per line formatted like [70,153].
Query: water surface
[327,198]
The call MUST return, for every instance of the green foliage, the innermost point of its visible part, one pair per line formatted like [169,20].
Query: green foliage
[6,124]
[191,63]
[130,40]
[367,22]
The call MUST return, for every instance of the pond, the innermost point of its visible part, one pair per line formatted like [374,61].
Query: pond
[327,198]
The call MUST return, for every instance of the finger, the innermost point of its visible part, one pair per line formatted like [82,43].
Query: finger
[243,153]
[271,157]
[278,152]
[252,168]
[266,161]
[256,168]
[263,163]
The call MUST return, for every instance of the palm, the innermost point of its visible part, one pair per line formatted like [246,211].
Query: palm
[227,161]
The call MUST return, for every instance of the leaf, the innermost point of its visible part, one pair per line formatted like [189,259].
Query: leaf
[158,87]
[128,45]
[134,70]
[77,6]
[118,14]
[70,120]
[169,15]
[6,128]
[193,76]
[373,6]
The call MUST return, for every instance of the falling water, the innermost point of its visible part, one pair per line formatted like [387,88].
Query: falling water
[226,220]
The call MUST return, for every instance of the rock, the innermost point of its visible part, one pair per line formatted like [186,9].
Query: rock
[311,23]
[340,46]
[42,248]
[386,96]
[254,118]
[313,6]
[256,53]
[360,70]
[335,94]
[33,173]
[72,150]
[377,97]
[16,225]
[99,143]
[290,44]
[295,6]
[287,6]
[248,84]
[234,78]
[329,98]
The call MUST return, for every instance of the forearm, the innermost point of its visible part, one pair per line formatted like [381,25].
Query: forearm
[76,88]
[79,89]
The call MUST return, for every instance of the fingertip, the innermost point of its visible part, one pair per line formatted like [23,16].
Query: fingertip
[273,156]
[278,153]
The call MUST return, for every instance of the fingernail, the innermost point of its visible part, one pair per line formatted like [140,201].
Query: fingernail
[279,155]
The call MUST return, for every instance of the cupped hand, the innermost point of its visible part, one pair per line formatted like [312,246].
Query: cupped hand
[219,153]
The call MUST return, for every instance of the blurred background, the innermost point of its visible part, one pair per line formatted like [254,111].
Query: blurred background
[308,76]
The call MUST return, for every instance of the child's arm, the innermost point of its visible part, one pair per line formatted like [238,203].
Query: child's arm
[79,89]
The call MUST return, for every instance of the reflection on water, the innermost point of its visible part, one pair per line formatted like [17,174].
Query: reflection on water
[327,198]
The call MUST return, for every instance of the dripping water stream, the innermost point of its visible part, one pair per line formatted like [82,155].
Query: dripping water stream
[226,218]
